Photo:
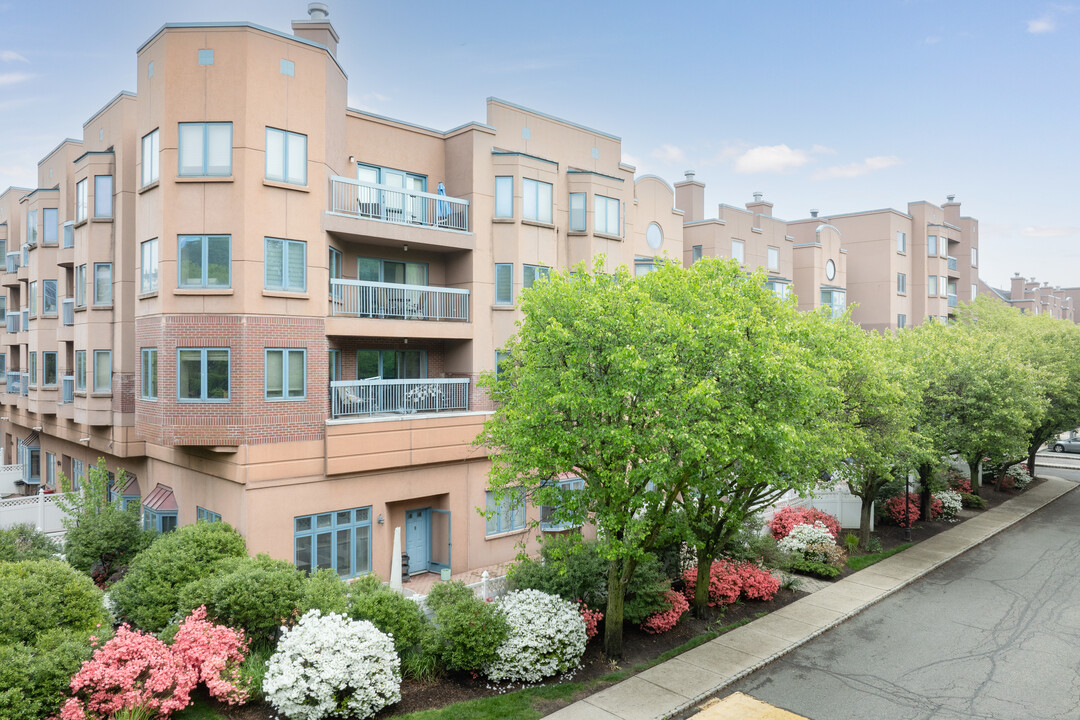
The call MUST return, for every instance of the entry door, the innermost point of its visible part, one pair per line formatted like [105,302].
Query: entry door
[395,199]
[417,541]
[440,540]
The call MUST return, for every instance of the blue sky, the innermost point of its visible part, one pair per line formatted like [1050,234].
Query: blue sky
[840,106]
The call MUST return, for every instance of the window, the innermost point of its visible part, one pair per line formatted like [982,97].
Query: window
[33,368]
[78,473]
[205,261]
[901,283]
[205,149]
[738,251]
[204,515]
[774,259]
[148,266]
[695,254]
[286,156]
[148,386]
[504,284]
[547,511]
[287,67]
[150,158]
[206,57]
[161,520]
[901,322]
[103,283]
[536,200]
[286,374]
[80,286]
[336,264]
[577,212]
[931,245]
[931,289]
[103,196]
[643,265]
[31,304]
[504,196]
[501,358]
[974,290]
[30,459]
[605,215]
[531,273]
[654,236]
[48,297]
[507,515]
[974,257]
[339,540]
[48,368]
[3,365]
[31,228]
[335,365]
[102,371]
[943,285]
[80,200]
[285,265]
[50,226]
[50,470]
[80,370]
[779,289]
[835,300]
[202,374]
[901,241]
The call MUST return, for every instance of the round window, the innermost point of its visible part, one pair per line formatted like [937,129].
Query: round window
[654,236]
[830,270]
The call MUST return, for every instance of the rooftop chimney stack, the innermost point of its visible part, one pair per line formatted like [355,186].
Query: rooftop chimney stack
[951,198]
[689,175]
[317,27]
[759,206]
[757,197]
[690,198]
[813,212]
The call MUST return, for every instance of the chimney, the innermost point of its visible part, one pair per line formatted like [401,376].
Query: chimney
[950,198]
[759,206]
[690,198]
[813,212]
[317,27]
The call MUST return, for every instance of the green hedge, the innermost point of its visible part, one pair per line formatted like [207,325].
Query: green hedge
[41,595]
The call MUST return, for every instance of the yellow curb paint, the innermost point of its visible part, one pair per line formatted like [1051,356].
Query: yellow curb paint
[738,706]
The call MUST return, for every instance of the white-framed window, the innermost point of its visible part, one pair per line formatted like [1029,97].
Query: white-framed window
[33,368]
[931,288]
[80,370]
[974,257]
[504,196]
[150,158]
[50,470]
[547,511]
[285,265]
[31,228]
[48,298]
[536,200]
[103,284]
[80,200]
[695,253]
[943,286]
[3,363]
[148,267]
[78,473]
[31,299]
[931,245]
[577,212]
[738,251]
[286,156]
[901,283]
[835,300]
[202,374]
[50,226]
[286,374]
[48,368]
[334,360]
[901,321]
[605,215]
[504,284]
[507,515]
[901,241]
[148,386]
[974,290]
[644,265]
[205,149]
[102,371]
[774,259]
[205,261]
[103,196]
[531,273]
[337,263]
[80,286]
[501,358]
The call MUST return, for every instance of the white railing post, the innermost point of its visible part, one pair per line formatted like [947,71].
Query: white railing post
[484,578]
[41,509]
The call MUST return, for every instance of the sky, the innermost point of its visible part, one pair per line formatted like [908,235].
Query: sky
[839,106]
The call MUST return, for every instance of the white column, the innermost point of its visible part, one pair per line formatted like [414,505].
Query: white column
[395,562]
[41,509]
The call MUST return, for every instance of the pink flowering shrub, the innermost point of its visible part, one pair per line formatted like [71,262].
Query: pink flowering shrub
[936,508]
[729,580]
[592,620]
[895,509]
[215,653]
[131,670]
[787,518]
[757,582]
[664,620]
[960,484]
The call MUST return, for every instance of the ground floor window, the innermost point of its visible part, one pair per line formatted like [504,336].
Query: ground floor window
[547,511]
[505,514]
[340,540]
[161,520]
[204,515]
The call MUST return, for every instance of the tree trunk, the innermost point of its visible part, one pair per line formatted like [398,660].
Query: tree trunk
[701,588]
[866,514]
[925,471]
[1034,448]
[973,471]
[613,618]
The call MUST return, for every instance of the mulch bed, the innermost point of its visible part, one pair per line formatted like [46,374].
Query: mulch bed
[639,647]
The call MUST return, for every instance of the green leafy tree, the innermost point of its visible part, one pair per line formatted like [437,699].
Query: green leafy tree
[25,542]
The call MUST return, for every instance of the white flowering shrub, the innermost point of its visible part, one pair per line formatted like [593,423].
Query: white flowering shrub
[803,536]
[950,503]
[1020,476]
[547,636]
[331,666]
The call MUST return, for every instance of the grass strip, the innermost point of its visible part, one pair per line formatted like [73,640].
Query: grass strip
[858,562]
[511,706]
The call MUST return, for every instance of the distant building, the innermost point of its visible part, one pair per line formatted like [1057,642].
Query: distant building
[1038,299]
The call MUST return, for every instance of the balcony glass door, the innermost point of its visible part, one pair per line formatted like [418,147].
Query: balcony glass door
[390,365]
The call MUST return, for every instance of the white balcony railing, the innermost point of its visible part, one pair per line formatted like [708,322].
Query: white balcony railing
[12,260]
[25,382]
[68,310]
[952,301]
[11,319]
[69,234]
[359,199]
[68,389]
[25,312]
[360,298]
[25,255]
[14,383]
[951,262]
[352,398]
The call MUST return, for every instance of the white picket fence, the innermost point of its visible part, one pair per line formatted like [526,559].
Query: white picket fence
[40,511]
[836,501]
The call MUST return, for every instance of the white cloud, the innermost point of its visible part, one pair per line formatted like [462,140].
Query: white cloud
[1043,231]
[771,159]
[12,56]
[669,153]
[857,169]
[1038,26]
[13,78]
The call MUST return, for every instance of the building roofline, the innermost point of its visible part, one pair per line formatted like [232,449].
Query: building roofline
[496,151]
[106,106]
[579,126]
[828,216]
[650,176]
[92,152]
[60,145]
[579,171]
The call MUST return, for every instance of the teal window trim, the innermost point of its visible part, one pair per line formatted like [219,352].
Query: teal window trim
[102,356]
[204,261]
[48,368]
[205,169]
[49,301]
[287,67]
[33,368]
[601,222]
[50,226]
[78,472]
[578,221]
[148,374]
[286,158]
[149,260]
[80,370]
[334,365]
[162,521]
[31,227]
[103,290]
[568,485]
[536,200]
[504,196]
[400,362]
[151,158]
[103,196]
[320,540]
[531,273]
[505,295]
[80,286]
[507,515]
[203,375]
[206,56]
[288,357]
[204,515]
[283,248]
[31,299]
[80,200]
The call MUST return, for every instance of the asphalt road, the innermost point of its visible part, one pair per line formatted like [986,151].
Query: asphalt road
[992,634]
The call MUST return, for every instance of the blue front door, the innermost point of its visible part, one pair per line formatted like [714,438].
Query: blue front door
[417,542]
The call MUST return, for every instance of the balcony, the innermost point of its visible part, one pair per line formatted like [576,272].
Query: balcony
[14,383]
[25,318]
[366,398]
[359,298]
[952,300]
[952,262]
[68,312]
[12,260]
[67,390]
[24,381]
[12,322]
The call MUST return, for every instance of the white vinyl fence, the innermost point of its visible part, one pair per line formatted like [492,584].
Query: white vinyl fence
[835,501]
[40,511]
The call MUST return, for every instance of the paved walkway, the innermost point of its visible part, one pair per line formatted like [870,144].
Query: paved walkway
[679,683]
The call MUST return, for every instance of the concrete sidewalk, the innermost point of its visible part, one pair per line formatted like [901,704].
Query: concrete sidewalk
[681,682]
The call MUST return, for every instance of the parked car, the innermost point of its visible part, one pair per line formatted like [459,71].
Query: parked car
[1070,445]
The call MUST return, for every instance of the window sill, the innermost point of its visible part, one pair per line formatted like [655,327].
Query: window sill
[538,223]
[502,307]
[148,399]
[285,185]
[286,294]
[103,307]
[101,220]
[79,308]
[100,395]
[204,178]
[203,401]
[202,291]
[149,187]
[605,236]
[577,233]
[508,533]
[148,295]
[80,223]
[503,220]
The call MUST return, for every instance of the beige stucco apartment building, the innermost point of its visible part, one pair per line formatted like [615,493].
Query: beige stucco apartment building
[1037,298]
